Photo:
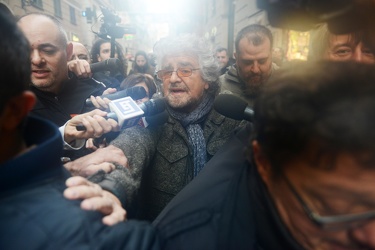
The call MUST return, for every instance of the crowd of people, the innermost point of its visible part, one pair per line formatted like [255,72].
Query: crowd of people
[297,176]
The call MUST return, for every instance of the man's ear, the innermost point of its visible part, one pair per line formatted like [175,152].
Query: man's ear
[262,163]
[16,109]
[69,50]
[235,55]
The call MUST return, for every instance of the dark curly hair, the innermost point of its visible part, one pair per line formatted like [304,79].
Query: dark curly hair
[322,107]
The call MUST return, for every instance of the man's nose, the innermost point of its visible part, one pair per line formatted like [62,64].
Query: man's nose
[36,57]
[255,67]
[175,77]
[357,56]
[364,235]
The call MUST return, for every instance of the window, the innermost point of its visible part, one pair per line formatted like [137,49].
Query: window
[72,12]
[37,3]
[57,5]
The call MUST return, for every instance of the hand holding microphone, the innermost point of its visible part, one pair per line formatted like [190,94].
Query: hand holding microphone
[94,123]
[127,112]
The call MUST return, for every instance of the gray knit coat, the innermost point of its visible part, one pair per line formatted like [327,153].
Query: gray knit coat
[161,162]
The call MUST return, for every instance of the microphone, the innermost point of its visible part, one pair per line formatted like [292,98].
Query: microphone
[233,107]
[111,64]
[157,119]
[136,92]
[127,112]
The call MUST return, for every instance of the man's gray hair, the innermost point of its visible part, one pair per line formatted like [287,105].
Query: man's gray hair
[191,45]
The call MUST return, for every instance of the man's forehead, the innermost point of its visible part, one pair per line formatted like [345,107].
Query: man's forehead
[250,51]
[346,39]
[255,40]
[40,30]
[180,59]
[37,23]
[105,46]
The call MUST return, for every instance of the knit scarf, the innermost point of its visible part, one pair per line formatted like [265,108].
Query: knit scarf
[191,122]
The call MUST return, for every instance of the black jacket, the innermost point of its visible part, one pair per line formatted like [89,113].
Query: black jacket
[225,207]
[70,101]
[35,215]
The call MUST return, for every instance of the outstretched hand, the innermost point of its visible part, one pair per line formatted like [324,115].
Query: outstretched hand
[95,199]
[81,68]
[102,159]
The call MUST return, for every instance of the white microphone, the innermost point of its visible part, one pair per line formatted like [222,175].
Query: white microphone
[128,113]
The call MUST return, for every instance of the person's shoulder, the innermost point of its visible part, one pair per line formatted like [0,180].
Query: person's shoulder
[43,219]
[38,215]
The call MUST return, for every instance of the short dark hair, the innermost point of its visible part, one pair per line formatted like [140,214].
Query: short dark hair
[321,36]
[15,74]
[254,32]
[327,107]
[220,49]
[136,78]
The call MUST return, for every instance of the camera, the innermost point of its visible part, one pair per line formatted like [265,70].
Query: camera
[109,28]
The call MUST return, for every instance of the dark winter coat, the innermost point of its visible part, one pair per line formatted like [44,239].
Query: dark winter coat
[34,213]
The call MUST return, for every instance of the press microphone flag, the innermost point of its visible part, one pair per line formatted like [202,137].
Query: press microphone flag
[127,111]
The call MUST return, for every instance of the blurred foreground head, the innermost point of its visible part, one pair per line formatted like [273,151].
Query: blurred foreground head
[15,100]
[341,16]
[314,150]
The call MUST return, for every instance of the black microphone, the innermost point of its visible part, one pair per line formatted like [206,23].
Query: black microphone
[233,107]
[158,119]
[153,106]
[111,64]
[136,92]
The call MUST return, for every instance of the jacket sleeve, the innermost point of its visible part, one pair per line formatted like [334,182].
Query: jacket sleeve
[138,145]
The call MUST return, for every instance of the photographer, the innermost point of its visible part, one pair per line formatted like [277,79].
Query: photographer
[100,51]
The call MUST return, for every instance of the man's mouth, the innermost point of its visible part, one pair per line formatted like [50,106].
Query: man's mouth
[40,73]
[176,90]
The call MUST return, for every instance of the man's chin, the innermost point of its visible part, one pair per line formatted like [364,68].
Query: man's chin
[42,85]
[252,89]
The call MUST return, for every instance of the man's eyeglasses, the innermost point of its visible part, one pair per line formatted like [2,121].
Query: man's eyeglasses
[181,72]
[336,222]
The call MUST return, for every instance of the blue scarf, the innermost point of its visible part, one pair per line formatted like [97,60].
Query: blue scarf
[191,122]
